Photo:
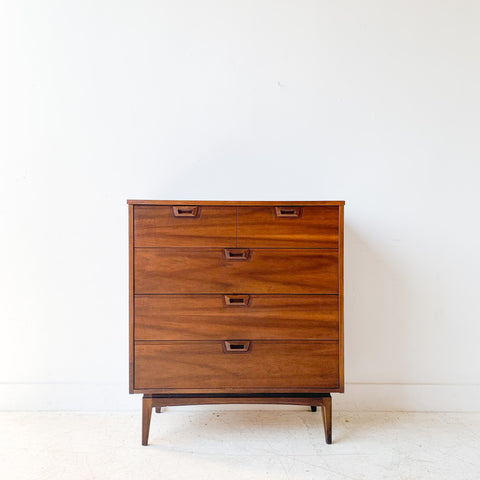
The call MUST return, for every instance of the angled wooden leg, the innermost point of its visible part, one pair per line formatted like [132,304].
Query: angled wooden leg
[158,409]
[313,408]
[147,406]
[327,418]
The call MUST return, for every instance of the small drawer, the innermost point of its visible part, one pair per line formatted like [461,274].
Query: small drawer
[215,317]
[184,226]
[249,365]
[288,227]
[211,270]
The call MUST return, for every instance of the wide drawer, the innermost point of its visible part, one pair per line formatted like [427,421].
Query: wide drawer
[216,317]
[288,227]
[184,226]
[279,271]
[286,365]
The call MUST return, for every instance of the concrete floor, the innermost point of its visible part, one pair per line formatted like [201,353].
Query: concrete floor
[197,443]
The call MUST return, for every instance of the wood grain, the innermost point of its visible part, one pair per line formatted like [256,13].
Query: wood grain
[314,227]
[267,322]
[157,226]
[341,300]
[165,401]
[275,271]
[250,390]
[147,405]
[327,418]
[234,203]
[131,303]
[207,317]
[279,364]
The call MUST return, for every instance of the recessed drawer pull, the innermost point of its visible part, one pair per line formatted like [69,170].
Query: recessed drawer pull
[237,253]
[236,346]
[288,211]
[237,300]
[187,211]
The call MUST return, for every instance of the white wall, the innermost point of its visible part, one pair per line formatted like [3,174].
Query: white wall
[373,102]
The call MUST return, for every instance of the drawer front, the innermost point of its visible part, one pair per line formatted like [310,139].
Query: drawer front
[275,271]
[286,365]
[216,317]
[188,226]
[288,227]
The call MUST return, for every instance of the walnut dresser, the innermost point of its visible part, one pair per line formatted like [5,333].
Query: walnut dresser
[236,302]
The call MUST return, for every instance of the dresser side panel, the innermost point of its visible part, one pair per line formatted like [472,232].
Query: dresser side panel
[340,299]
[131,300]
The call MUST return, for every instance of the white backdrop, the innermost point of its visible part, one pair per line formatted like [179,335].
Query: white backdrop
[376,103]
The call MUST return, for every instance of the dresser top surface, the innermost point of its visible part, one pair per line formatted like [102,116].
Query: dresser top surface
[234,203]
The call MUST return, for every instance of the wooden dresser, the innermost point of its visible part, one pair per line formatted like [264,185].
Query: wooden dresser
[236,302]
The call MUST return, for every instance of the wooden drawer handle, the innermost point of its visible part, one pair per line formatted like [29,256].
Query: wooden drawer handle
[236,346]
[187,211]
[237,253]
[237,300]
[288,211]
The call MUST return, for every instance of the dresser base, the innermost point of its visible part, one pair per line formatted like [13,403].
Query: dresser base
[313,400]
